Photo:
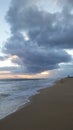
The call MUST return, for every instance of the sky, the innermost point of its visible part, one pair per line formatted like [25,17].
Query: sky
[36,38]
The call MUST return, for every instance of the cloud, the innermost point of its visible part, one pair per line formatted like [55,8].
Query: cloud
[34,58]
[49,34]
[2,58]
[68,4]
[7,69]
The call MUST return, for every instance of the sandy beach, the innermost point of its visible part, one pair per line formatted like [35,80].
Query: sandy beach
[52,109]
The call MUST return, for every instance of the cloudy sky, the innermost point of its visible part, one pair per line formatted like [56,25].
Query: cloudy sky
[36,38]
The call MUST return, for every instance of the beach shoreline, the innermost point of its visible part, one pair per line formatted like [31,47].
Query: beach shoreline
[51,108]
[14,94]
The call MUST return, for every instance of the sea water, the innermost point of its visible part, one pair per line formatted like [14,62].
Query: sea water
[15,93]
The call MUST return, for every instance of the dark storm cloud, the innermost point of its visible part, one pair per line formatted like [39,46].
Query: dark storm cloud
[8,69]
[12,69]
[38,62]
[66,3]
[2,58]
[49,34]
[54,30]
[45,28]
[33,57]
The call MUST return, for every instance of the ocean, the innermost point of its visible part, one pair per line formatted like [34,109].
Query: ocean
[14,94]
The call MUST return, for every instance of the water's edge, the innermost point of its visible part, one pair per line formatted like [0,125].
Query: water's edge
[29,99]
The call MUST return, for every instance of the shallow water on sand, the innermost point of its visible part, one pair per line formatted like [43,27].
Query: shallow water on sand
[15,93]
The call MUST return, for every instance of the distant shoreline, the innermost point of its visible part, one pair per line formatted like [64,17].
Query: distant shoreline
[20,79]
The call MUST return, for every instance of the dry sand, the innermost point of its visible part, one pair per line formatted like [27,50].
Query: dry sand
[52,109]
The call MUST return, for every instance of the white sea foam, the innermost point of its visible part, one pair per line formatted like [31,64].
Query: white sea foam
[15,94]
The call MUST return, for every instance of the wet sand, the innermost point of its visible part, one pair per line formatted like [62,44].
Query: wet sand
[52,109]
